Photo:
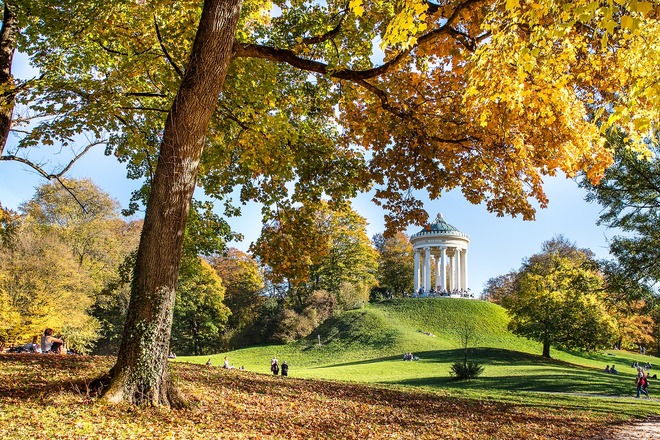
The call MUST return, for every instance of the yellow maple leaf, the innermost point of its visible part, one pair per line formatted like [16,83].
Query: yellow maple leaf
[356,7]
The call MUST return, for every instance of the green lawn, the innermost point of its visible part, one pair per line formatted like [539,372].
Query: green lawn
[367,346]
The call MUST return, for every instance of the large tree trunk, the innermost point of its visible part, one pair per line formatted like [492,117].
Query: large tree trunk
[7,48]
[140,375]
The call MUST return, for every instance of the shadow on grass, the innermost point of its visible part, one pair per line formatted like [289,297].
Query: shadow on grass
[528,372]
[42,375]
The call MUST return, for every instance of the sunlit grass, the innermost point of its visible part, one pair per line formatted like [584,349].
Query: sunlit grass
[367,346]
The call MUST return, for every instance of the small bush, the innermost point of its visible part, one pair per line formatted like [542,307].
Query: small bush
[466,370]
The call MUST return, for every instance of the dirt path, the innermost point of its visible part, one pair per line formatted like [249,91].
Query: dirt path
[648,429]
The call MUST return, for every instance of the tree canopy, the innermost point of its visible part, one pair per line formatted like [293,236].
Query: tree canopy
[395,263]
[484,96]
[630,196]
[558,299]
[288,102]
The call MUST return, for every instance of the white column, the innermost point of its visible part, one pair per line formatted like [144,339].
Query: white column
[443,268]
[416,271]
[452,271]
[427,269]
[459,278]
[465,269]
[436,266]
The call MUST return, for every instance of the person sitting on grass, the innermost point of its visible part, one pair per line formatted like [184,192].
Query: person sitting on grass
[613,370]
[51,344]
[32,347]
[607,369]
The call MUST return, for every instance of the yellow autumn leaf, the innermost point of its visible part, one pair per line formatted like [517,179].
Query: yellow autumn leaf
[643,7]
[627,22]
[356,7]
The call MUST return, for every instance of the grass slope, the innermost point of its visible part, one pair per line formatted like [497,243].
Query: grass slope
[367,345]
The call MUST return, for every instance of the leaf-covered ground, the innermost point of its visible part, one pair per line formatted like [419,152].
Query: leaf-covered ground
[44,397]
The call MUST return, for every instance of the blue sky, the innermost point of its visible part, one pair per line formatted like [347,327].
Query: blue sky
[497,244]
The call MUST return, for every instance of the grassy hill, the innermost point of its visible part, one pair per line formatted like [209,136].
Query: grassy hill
[520,395]
[367,346]
[245,405]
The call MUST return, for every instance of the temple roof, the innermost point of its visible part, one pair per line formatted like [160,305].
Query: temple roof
[439,227]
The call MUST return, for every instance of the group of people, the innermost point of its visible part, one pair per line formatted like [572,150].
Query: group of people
[461,293]
[646,366]
[48,344]
[641,380]
[225,365]
[612,370]
[276,369]
[410,357]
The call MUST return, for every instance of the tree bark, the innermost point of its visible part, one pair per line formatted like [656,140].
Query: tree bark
[140,375]
[7,47]
[546,349]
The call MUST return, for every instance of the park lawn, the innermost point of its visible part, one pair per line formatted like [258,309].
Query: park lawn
[366,346]
[46,397]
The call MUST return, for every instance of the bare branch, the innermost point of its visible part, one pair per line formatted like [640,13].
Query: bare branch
[44,173]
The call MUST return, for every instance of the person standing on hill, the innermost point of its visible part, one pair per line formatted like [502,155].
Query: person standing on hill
[642,383]
[274,366]
[285,369]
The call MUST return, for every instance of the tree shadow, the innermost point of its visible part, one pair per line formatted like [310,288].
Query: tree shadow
[549,375]
[43,375]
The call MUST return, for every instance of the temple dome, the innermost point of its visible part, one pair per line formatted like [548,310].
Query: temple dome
[439,227]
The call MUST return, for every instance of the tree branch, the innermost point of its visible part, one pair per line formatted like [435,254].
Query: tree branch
[248,50]
[324,37]
[147,94]
[176,68]
[51,176]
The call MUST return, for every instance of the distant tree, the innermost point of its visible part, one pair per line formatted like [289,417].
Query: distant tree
[348,271]
[320,248]
[88,221]
[467,336]
[501,286]
[395,263]
[631,302]
[199,313]
[244,284]
[558,300]
[43,286]
[110,308]
[9,221]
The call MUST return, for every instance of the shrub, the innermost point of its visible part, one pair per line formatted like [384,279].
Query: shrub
[466,370]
